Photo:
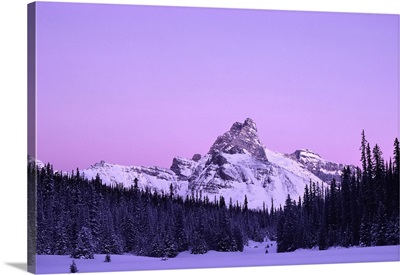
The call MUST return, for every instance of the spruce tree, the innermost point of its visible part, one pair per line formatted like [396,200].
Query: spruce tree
[107,258]
[345,215]
[180,232]
[378,175]
[355,208]
[287,227]
[245,204]
[73,268]
[396,179]
[396,154]
[170,248]
[85,246]
[363,149]
[333,213]
[379,227]
[198,240]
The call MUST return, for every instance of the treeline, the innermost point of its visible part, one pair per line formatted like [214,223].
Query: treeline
[80,217]
[363,210]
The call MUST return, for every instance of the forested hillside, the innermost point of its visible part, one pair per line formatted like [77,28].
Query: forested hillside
[81,217]
[362,210]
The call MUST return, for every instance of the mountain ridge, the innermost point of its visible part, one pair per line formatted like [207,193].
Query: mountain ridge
[237,165]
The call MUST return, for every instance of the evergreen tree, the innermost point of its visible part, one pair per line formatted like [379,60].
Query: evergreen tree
[396,179]
[346,211]
[82,217]
[170,248]
[107,258]
[287,225]
[378,175]
[111,244]
[363,149]
[198,242]
[355,208]
[245,204]
[180,233]
[73,268]
[60,239]
[199,245]
[368,201]
[365,230]
[238,238]
[379,228]
[93,201]
[322,233]
[396,154]
[333,210]
[129,232]
[85,246]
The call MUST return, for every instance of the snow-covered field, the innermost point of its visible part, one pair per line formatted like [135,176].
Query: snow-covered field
[253,255]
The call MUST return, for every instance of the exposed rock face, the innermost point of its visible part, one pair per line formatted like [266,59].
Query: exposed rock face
[183,168]
[237,165]
[323,169]
[153,177]
[242,138]
[196,157]
[218,169]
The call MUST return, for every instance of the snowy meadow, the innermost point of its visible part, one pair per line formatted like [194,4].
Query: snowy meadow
[252,255]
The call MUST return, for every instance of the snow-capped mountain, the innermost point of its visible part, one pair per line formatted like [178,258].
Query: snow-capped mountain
[156,178]
[237,165]
[323,169]
[36,162]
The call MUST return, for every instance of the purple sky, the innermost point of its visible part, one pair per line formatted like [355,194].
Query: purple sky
[139,85]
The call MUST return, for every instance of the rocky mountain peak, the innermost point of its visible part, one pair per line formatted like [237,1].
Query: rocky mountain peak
[237,164]
[250,123]
[306,155]
[242,138]
[323,169]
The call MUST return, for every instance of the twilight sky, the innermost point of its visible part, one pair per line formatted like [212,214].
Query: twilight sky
[138,85]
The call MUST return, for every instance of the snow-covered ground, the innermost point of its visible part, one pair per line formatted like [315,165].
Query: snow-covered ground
[253,255]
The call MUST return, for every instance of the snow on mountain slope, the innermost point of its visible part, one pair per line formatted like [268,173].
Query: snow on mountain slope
[184,168]
[37,162]
[323,169]
[241,138]
[241,175]
[306,155]
[155,178]
[237,165]
[290,165]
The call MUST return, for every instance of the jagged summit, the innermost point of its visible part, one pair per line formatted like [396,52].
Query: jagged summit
[99,164]
[242,138]
[323,169]
[249,123]
[237,165]
[306,155]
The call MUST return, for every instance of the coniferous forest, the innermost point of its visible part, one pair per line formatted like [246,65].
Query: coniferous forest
[80,217]
[362,211]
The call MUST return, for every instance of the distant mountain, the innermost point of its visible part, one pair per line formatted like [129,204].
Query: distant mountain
[237,165]
[323,169]
[37,162]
